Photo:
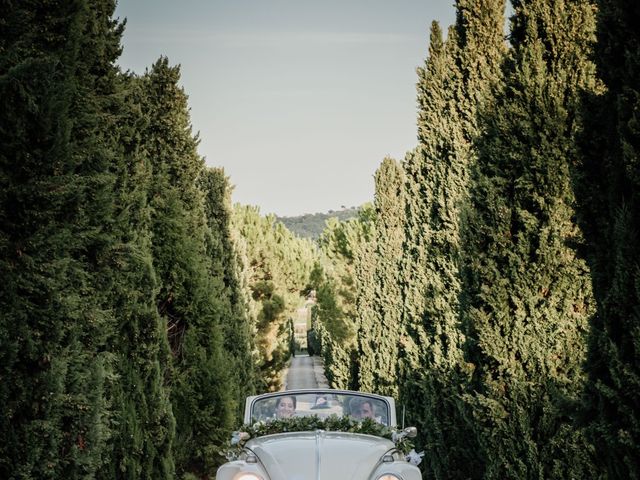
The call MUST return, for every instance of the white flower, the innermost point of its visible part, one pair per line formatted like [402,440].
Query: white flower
[414,457]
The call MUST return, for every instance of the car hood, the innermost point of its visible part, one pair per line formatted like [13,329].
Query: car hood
[319,455]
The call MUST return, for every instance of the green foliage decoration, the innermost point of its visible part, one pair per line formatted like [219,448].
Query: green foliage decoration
[332,423]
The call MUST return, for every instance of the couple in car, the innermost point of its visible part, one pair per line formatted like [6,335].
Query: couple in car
[359,408]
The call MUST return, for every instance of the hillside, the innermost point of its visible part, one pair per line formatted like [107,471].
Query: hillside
[311,225]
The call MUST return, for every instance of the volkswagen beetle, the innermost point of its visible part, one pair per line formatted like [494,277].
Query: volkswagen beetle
[320,434]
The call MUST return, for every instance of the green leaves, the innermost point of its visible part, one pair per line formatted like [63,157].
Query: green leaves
[312,423]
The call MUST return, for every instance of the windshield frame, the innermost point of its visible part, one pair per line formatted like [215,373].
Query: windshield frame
[252,400]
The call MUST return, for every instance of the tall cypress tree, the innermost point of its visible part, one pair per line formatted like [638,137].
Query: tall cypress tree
[365,321]
[200,390]
[438,128]
[346,254]
[238,343]
[56,87]
[610,186]
[143,421]
[379,331]
[527,297]
[365,265]
[454,85]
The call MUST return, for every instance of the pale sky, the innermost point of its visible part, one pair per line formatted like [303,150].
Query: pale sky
[298,100]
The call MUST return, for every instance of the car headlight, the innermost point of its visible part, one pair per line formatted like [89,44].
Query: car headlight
[389,476]
[249,476]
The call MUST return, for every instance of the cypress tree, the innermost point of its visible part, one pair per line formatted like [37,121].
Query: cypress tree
[455,84]
[365,320]
[527,295]
[345,255]
[609,186]
[225,274]
[57,88]
[438,127]
[334,334]
[364,270]
[199,377]
[378,338]
[143,420]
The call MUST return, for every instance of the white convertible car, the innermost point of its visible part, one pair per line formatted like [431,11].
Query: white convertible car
[320,434]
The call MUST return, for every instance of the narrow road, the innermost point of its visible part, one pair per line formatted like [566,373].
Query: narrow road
[305,372]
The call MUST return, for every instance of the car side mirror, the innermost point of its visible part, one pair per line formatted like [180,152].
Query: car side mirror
[410,432]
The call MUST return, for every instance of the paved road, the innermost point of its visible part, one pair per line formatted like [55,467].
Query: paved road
[305,372]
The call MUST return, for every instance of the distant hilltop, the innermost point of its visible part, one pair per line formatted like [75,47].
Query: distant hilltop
[311,225]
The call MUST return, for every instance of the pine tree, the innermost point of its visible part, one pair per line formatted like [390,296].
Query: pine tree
[609,187]
[527,295]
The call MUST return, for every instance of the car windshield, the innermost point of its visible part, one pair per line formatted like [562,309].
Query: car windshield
[287,405]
